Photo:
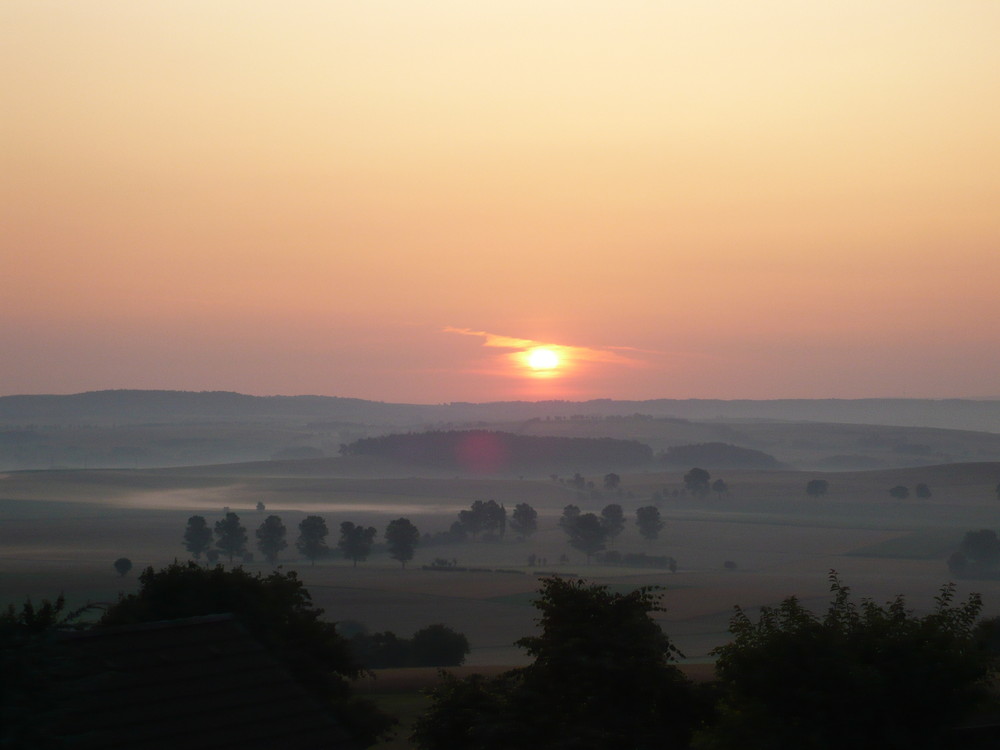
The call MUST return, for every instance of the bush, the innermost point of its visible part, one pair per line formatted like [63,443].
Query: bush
[863,675]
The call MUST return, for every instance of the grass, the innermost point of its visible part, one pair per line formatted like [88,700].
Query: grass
[930,544]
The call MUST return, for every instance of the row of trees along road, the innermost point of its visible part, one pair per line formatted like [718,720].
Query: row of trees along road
[230,539]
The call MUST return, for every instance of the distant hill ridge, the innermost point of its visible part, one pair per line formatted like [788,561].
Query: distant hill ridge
[154,406]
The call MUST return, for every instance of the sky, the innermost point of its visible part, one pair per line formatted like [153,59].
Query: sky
[403,201]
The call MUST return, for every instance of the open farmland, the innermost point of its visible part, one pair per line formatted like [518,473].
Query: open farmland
[62,530]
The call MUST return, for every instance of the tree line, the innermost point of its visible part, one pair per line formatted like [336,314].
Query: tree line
[230,538]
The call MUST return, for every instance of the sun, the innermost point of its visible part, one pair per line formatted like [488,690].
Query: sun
[543,359]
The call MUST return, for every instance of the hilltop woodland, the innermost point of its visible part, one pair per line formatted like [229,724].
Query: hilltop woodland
[491,451]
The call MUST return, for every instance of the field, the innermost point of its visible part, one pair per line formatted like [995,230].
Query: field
[62,530]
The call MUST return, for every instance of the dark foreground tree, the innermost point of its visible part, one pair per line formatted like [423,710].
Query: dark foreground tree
[197,536]
[437,646]
[271,538]
[524,520]
[277,610]
[900,492]
[862,675]
[922,491]
[312,538]
[231,536]
[402,537]
[123,565]
[356,541]
[601,678]
[649,522]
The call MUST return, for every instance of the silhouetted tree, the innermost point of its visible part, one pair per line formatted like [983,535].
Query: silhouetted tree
[696,481]
[613,518]
[981,547]
[271,538]
[720,488]
[473,519]
[524,520]
[922,491]
[356,541]
[312,538]
[817,487]
[437,646]
[231,536]
[123,565]
[612,481]
[569,515]
[260,506]
[277,610]
[578,482]
[896,680]
[494,519]
[601,677]
[587,534]
[402,537]
[197,536]
[649,521]
[900,492]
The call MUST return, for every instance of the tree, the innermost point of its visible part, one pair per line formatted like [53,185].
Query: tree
[696,481]
[494,519]
[356,541]
[649,521]
[569,515]
[402,537]
[862,675]
[720,488]
[277,610]
[601,677]
[472,520]
[613,518]
[437,646]
[587,534]
[922,491]
[197,536]
[123,565]
[271,538]
[817,487]
[524,520]
[312,538]
[612,481]
[231,536]
[981,549]
[900,492]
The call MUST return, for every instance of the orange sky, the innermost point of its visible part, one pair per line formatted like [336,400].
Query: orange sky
[687,199]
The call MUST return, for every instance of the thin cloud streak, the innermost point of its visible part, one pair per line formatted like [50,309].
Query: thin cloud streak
[566,352]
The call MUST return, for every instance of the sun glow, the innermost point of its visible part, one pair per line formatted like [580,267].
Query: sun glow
[543,359]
